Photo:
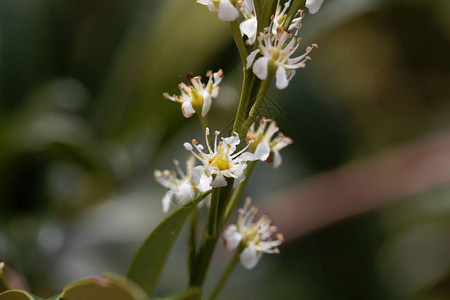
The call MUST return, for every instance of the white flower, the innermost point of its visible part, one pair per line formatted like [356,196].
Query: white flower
[196,96]
[267,148]
[280,18]
[182,188]
[226,10]
[276,50]
[254,236]
[249,27]
[313,5]
[221,161]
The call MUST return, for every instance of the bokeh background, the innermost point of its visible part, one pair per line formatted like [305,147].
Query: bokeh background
[363,195]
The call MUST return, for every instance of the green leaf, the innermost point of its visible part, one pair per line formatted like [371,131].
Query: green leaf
[150,258]
[107,287]
[17,295]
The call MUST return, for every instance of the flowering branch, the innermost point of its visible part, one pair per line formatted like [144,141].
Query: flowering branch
[223,165]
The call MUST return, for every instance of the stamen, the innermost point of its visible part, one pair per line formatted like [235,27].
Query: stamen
[178,168]
[189,76]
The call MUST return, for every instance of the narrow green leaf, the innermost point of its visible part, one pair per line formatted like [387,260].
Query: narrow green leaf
[106,287]
[150,258]
[17,295]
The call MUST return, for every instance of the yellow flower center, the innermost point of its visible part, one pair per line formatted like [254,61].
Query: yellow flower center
[221,159]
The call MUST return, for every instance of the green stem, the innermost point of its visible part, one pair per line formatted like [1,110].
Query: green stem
[237,195]
[246,92]
[226,274]
[267,12]
[239,41]
[223,200]
[264,87]
[211,223]
[258,8]
[203,260]
[192,244]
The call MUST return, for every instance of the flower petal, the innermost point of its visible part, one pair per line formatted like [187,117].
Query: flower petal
[277,160]
[187,109]
[262,151]
[227,11]
[260,68]
[205,183]
[281,78]
[250,257]
[206,104]
[249,28]
[232,237]
[219,181]
[313,5]
[251,58]
[166,200]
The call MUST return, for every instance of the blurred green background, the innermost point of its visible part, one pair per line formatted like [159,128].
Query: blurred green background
[83,125]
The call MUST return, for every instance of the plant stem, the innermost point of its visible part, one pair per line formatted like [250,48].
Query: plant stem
[268,10]
[211,223]
[237,194]
[226,274]
[203,260]
[246,92]
[264,87]
[239,41]
[258,8]
[192,243]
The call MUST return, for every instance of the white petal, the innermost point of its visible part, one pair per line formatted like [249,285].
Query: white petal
[215,92]
[206,104]
[250,257]
[313,5]
[290,74]
[277,160]
[238,181]
[208,3]
[251,58]
[260,68]
[281,78]
[166,202]
[227,11]
[187,109]
[249,27]
[232,237]
[184,193]
[262,151]
[248,6]
[197,174]
[205,183]
[219,181]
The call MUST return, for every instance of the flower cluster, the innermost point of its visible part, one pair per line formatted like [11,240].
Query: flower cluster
[253,236]
[226,159]
[266,146]
[195,96]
